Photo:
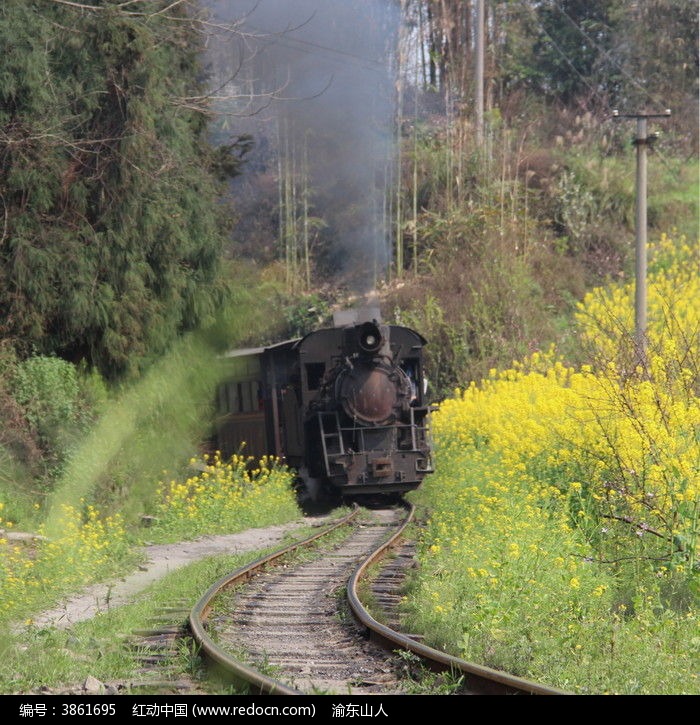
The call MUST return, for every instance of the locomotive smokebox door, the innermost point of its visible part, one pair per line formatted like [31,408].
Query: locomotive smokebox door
[368,393]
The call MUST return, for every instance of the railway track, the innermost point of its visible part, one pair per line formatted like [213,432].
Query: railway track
[295,622]
[290,624]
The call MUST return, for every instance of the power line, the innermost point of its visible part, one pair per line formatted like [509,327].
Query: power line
[608,54]
[605,52]
[292,43]
[568,60]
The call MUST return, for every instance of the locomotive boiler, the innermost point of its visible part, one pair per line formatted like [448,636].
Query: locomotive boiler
[344,406]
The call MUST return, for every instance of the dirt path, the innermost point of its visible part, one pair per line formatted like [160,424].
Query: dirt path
[161,559]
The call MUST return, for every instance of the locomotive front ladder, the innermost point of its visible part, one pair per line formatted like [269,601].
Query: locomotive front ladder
[331,436]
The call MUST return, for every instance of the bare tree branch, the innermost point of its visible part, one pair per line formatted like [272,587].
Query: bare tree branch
[120,6]
[5,220]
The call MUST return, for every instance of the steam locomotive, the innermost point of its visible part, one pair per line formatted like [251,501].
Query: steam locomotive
[343,406]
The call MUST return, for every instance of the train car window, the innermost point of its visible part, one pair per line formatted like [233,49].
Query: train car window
[240,397]
[314,375]
[246,398]
[251,398]
[222,399]
[225,394]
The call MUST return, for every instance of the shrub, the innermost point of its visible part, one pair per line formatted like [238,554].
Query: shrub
[47,389]
[226,496]
[88,546]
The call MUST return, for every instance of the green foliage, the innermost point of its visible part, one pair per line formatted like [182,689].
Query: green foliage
[448,351]
[112,233]
[225,496]
[498,301]
[148,425]
[251,315]
[590,205]
[111,446]
[47,389]
[310,312]
[17,488]
[656,48]
[85,548]
[674,195]
[567,63]
[48,404]
[598,55]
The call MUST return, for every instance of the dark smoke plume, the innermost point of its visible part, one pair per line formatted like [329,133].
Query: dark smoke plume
[312,81]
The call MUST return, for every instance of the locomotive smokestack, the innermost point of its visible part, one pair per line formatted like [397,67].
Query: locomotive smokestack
[355,316]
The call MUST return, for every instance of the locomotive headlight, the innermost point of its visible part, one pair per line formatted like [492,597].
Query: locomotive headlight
[370,338]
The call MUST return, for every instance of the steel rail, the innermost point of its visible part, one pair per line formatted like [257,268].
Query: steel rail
[200,613]
[484,679]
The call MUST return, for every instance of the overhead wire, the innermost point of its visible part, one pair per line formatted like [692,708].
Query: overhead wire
[290,43]
[608,54]
[623,72]
[294,43]
[566,58]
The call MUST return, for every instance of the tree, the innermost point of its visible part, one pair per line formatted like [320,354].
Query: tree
[111,235]
[656,48]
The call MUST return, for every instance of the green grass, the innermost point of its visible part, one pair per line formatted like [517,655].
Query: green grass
[88,547]
[52,657]
[674,194]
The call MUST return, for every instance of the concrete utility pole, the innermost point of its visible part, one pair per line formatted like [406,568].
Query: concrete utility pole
[641,141]
[479,73]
